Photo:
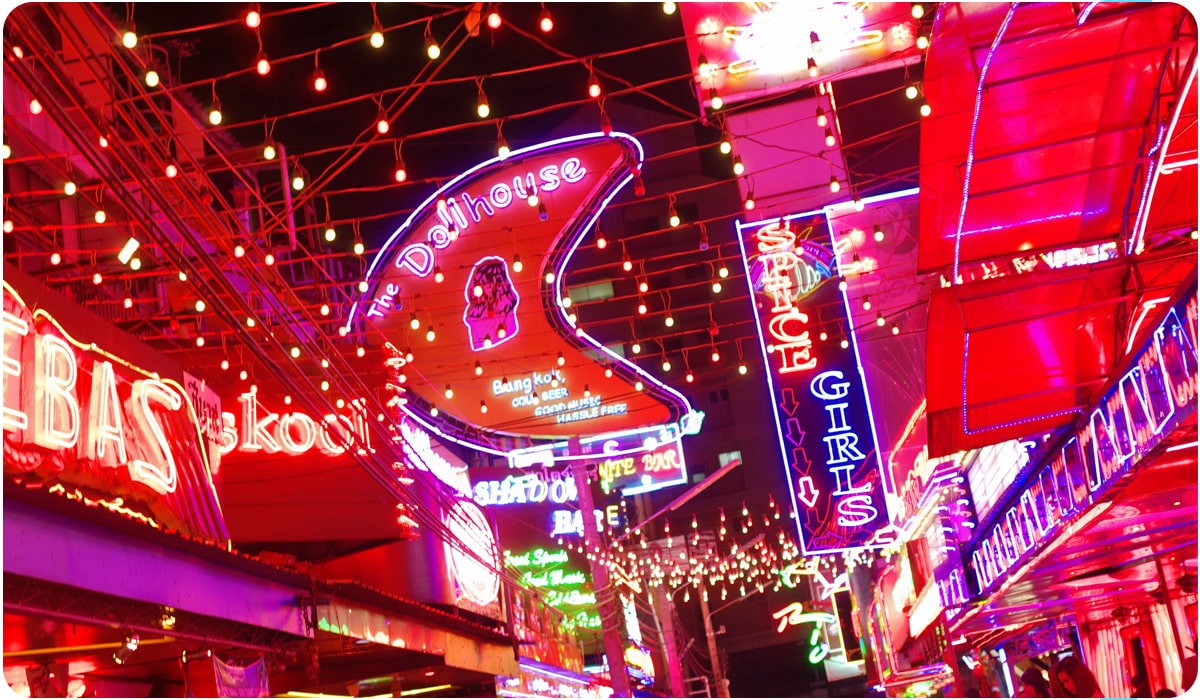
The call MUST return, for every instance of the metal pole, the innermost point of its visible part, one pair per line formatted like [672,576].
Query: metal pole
[665,618]
[609,630]
[722,686]
[1162,585]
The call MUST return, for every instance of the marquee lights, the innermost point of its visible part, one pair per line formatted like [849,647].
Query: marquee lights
[1134,415]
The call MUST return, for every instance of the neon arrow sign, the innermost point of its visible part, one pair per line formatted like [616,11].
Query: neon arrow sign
[509,369]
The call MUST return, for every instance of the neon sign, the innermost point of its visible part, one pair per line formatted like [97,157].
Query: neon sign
[526,488]
[826,435]
[475,572]
[292,433]
[1152,397]
[472,285]
[639,665]
[560,586]
[570,522]
[84,418]
[639,473]
[793,615]
[420,450]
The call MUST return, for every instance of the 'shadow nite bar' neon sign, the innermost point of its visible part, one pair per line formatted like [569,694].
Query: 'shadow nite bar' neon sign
[822,415]
[472,284]
[1155,394]
[81,417]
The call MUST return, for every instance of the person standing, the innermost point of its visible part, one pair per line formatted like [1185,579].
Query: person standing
[1034,684]
[1074,679]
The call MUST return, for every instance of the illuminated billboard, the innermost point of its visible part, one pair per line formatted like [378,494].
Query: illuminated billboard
[489,351]
[823,419]
[95,426]
[743,50]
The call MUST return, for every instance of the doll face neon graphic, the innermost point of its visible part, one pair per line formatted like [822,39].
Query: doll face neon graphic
[481,263]
[491,313]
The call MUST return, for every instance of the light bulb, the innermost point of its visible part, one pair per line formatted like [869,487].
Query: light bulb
[738,168]
[742,368]
[152,78]
[716,287]
[376,36]
[858,203]
[55,258]
[225,364]
[627,264]
[830,140]
[517,265]
[842,285]
[330,234]
[382,125]
[922,42]
[261,64]
[641,308]
[560,359]
[714,99]
[362,286]
[749,204]
[324,309]
[566,302]
[200,306]
[669,321]
[319,82]
[549,278]
[601,241]
[926,110]
[243,375]
[822,119]
[812,67]
[911,91]
[171,170]
[35,107]
[494,20]
[401,174]
[135,264]
[97,278]
[668,8]
[482,407]
[726,147]
[298,183]
[414,322]
[845,343]
[643,286]
[359,248]
[666,365]
[438,276]
[253,18]
[432,50]
[295,351]
[269,259]
[482,108]
[5,151]
[716,356]
[723,271]
[866,303]
[639,386]
[478,369]
[636,348]
[918,10]
[430,335]
[834,185]
[449,392]
[182,276]
[269,152]
[674,218]
[239,251]
[477,291]
[70,189]
[214,113]
[879,320]
[878,233]
[129,39]
[545,22]
[895,329]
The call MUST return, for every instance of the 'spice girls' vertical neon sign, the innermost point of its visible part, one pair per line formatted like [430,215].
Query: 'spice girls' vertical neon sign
[821,410]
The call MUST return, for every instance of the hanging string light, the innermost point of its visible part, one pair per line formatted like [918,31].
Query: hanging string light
[381,121]
[401,173]
[376,39]
[594,88]
[502,149]
[214,109]
[432,50]
[822,119]
[493,19]
[129,37]
[319,83]
[714,99]
[261,64]
[545,22]
[253,17]
[738,168]
[481,103]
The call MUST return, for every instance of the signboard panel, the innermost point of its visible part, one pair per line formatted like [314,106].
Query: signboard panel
[469,291]
[759,49]
[823,419]
[1155,394]
[101,428]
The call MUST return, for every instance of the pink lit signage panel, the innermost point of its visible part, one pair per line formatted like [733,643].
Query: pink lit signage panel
[826,434]
[757,49]
[1155,394]
[472,286]
[99,428]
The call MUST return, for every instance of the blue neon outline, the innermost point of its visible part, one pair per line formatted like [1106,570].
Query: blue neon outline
[825,211]
[517,305]
[385,251]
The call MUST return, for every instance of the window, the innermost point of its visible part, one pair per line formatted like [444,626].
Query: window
[727,457]
[591,292]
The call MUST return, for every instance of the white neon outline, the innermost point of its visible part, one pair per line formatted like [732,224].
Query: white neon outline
[966,189]
[100,433]
[52,388]
[13,419]
[689,415]
[468,297]
[1157,165]
[283,433]
[163,479]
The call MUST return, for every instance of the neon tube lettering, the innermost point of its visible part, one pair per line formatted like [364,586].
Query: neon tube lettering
[15,330]
[57,424]
[104,423]
[162,477]
[307,433]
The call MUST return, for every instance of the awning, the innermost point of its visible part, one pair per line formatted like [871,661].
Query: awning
[1052,149]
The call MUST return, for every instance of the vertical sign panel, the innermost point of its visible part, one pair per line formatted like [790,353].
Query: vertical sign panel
[821,411]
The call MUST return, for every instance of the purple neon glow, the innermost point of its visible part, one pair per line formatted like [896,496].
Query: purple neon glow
[825,211]
[1086,12]
[962,212]
[1157,168]
[999,426]
[690,418]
